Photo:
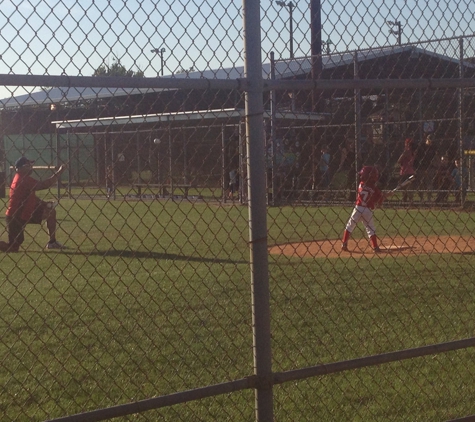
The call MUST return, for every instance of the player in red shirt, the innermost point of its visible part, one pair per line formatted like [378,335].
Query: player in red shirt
[369,197]
[24,207]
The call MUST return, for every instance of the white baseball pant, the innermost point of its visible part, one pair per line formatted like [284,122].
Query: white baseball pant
[365,215]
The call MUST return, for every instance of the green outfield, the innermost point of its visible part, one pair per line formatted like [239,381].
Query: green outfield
[154,297]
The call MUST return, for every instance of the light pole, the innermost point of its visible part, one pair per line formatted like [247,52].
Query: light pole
[290,5]
[397,31]
[159,51]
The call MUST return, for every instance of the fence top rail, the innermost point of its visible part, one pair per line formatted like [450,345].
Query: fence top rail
[241,84]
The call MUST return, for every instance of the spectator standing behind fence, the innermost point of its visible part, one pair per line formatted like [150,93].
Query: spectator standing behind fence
[406,166]
[460,180]
[110,181]
[24,207]
[233,183]
[427,162]
[348,164]
[443,180]
[324,166]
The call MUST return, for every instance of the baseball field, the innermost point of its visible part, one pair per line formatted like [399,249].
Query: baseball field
[153,298]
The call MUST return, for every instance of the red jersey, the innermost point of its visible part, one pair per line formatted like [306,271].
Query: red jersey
[23,200]
[369,196]
[406,161]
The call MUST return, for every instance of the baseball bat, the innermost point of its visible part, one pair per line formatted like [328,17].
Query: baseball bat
[406,182]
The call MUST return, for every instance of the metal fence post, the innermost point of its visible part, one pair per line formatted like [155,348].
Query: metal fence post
[257,212]
[170,161]
[223,165]
[69,161]
[460,118]
[273,131]
[357,120]
[58,161]
[242,164]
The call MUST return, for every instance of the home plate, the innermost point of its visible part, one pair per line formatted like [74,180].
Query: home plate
[396,248]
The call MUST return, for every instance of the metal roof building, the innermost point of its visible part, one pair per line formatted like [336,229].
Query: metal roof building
[296,68]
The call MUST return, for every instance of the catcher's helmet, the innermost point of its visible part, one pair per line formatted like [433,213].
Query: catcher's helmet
[369,174]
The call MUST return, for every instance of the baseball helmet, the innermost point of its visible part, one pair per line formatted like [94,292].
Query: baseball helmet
[369,174]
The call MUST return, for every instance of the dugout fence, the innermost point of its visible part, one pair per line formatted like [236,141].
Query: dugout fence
[199,156]
[205,310]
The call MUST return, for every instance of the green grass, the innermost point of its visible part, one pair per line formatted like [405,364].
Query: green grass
[154,297]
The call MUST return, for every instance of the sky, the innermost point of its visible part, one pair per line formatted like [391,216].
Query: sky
[75,37]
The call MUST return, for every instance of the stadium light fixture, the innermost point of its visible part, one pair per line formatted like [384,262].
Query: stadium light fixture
[397,31]
[160,52]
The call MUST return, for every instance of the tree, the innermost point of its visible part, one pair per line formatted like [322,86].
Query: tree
[183,70]
[117,69]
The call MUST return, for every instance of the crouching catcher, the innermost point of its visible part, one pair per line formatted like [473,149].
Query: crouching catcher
[24,207]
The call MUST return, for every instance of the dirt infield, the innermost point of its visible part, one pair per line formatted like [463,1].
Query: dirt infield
[397,246]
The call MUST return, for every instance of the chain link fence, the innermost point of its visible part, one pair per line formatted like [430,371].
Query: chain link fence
[186,244]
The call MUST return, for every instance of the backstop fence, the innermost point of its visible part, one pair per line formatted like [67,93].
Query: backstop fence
[201,255]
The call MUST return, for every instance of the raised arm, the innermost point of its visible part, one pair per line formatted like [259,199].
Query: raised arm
[50,181]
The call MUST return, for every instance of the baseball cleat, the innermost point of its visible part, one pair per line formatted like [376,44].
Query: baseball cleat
[344,247]
[55,245]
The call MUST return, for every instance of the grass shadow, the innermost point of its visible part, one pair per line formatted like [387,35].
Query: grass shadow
[150,255]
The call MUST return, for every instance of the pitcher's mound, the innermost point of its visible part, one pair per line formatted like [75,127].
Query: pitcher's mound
[389,246]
